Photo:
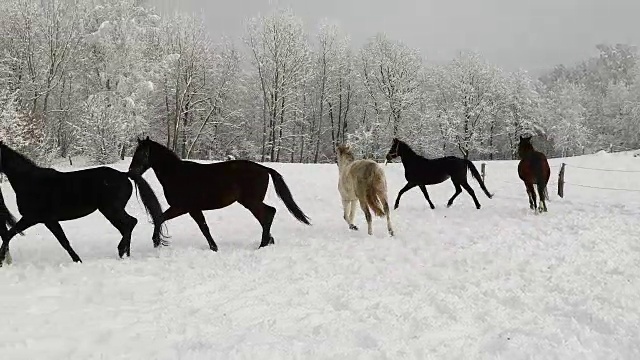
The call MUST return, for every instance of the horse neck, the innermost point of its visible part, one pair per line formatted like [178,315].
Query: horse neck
[164,162]
[524,152]
[344,164]
[15,165]
[408,155]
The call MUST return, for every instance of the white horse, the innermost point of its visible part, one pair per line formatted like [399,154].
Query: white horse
[363,181]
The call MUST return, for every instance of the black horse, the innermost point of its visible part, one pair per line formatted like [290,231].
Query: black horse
[191,187]
[420,171]
[48,196]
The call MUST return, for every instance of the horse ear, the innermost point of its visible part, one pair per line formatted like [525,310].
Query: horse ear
[147,138]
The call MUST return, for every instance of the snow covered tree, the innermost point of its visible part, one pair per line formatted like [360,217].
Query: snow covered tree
[117,78]
[281,57]
[391,73]
[566,119]
[332,88]
[466,95]
[522,109]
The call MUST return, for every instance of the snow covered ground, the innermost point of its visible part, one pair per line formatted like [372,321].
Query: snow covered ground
[457,283]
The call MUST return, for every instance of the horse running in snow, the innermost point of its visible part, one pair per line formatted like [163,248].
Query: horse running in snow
[363,181]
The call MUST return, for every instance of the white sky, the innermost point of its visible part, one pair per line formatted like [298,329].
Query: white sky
[529,34]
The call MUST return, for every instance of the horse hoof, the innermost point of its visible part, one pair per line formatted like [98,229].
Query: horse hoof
[432,207]
[353,227]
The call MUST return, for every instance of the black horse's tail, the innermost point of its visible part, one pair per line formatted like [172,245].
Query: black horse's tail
[151,205]
[476,174]
[283,192]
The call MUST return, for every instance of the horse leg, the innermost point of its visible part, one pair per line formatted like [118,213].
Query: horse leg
[198,217]
[125,224]
[22,225]
[347,210]
[542,206]
[352,212]
[458,191]
[402,191]
[532,195]
[426,195]
[57,231]
[265,214]
[469,189]
[170,213]
[367,214]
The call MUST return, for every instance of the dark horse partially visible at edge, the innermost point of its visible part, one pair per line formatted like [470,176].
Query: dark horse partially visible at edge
[48,196]
[533,169]
[420,171]
[191,187]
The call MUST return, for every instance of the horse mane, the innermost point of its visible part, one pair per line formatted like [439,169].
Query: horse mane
[344,152]
[406,148]
[23,160]
[163,150]
[525,148]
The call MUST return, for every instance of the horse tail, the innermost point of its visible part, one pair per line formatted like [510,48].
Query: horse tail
[6,217]
[151,204]
[376,190]
[476,175]
[283,192]
[538,173]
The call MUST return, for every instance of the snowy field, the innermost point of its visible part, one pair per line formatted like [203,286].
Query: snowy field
[457,283]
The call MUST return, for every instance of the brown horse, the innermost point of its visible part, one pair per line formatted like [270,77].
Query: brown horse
[191,187]
[533,169]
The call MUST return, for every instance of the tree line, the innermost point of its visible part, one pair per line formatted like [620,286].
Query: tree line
[86,77]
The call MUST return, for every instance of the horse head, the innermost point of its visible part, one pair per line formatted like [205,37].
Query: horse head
[141,162]
[393,151]
[524,146]
[344,153]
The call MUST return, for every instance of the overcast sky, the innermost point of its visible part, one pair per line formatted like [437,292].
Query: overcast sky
[529,34]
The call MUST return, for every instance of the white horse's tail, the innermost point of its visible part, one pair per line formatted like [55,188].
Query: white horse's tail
[376,192]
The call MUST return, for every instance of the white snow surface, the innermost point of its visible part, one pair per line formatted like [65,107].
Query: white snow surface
[454,283]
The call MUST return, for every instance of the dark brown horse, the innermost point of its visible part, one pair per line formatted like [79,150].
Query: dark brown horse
[191,187]
[533,169]
[420,171]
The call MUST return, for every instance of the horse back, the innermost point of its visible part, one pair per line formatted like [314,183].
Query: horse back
[435,171]
[358,175]
[532,161]
[214,185]
[72,194]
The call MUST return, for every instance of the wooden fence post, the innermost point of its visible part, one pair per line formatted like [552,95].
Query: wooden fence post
[482,170]
[561,181]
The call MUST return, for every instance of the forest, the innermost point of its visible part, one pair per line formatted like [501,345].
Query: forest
[88,77]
